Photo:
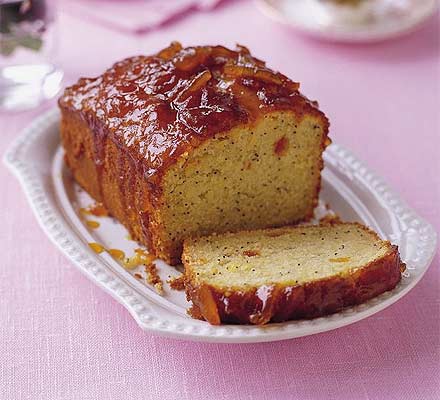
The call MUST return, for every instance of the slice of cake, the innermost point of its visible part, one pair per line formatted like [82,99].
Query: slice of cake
[192,141]
[281,274]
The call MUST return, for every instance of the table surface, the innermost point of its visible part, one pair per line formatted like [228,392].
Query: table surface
[61,337]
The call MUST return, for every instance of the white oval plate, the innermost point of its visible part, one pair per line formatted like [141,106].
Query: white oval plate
[370,21]
[353,191]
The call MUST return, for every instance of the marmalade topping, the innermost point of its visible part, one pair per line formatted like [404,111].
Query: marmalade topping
[117,254]
[93,224]
[157,107]
[96,247]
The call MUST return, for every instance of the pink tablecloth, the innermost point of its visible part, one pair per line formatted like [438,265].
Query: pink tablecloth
[63,338]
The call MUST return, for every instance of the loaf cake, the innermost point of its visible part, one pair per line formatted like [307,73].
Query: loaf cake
[288,273]
[192,141]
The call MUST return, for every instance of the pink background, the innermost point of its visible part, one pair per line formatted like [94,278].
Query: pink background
[63,338]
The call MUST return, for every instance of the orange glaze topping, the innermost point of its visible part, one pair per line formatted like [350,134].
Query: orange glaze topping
[96,247]
[93,224]
[157,107]
[140,257]
[117,254]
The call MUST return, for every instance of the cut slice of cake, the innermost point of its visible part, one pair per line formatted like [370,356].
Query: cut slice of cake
[192,141]
[280,274]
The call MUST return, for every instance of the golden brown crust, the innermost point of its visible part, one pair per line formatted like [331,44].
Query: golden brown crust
[276,303]
[106,182]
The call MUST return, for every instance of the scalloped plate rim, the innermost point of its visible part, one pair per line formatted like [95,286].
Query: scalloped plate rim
[60,233]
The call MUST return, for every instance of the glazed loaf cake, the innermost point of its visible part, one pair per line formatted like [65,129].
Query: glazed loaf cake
[192,141]
[287,273]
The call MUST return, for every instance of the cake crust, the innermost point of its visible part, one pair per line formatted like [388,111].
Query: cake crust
[279,302]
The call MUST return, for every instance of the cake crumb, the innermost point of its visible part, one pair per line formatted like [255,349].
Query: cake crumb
[138,275]
[247,165]
[177,282]
[194,312]
[153,277]
[274,233]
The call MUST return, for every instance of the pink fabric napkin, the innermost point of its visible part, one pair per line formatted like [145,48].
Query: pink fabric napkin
[135,16]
